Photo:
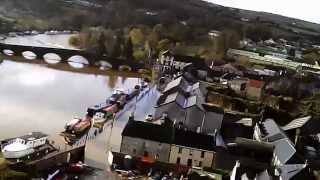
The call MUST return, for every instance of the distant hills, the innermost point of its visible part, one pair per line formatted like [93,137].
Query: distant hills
[76,14]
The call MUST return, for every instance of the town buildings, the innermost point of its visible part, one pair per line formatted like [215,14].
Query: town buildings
[183,102]
[224,124]
[170,62]
[167,143]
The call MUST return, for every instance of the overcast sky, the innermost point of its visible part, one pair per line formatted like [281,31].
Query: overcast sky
[308,10]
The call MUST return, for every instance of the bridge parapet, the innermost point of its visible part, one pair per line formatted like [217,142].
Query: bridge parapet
[67,54]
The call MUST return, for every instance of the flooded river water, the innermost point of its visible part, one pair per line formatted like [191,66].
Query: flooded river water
[36,97]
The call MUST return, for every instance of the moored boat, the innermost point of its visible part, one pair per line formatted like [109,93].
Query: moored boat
[24,145]
[78,126]
[116,95]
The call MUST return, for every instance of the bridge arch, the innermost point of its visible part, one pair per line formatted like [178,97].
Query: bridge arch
[125,68]
[77,61]
[8,52]
[29,55]
[52,58]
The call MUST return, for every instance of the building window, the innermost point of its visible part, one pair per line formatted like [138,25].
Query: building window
[145,154]
[190,152]
[189,162]
[178,160]
[180,150]
[200,163]
[202,154]
[134,151]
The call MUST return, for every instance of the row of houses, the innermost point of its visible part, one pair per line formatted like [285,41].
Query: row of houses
[167,143]
[273,61]
[268,154]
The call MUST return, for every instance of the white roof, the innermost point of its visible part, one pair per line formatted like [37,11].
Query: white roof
[171,97]
[14,147]
[173,84]
[296,123]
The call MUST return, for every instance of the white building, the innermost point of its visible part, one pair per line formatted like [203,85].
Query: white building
[192,149]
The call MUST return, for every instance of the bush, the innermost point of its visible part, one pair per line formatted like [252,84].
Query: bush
[75,41]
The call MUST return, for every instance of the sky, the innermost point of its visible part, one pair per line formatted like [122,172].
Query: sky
[308,10]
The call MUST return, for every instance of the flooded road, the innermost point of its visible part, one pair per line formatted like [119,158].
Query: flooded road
[37,97]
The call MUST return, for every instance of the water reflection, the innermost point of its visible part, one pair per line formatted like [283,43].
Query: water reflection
[78,61]
[39,98]
[35,97]
[52,58]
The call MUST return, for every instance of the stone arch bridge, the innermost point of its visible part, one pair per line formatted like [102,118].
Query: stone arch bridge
[68,55]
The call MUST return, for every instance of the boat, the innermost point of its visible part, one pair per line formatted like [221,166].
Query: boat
[22,146]
[122,101]
[135,92]
[115,96]
[149,118]
[112,109]
[78,126]
[99,119]
[144,84]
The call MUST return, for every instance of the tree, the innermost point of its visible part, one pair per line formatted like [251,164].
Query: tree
[139,55]
[164,44]
[259,32]
[153,39]
[231,39]
[128,49]
[101,44]
[137,37]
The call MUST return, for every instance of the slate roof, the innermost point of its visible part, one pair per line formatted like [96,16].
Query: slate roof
[148,131]
[183,93]
[271,131]
[284,150]
[163,134]
[193,139]
[254,145]
[182,100]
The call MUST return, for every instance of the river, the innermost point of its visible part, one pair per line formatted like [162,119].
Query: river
[37,97]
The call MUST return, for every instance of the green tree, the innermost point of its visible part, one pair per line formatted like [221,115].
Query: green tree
[137,36]
[139,55]
[128,49]
[259,32]
[164,44]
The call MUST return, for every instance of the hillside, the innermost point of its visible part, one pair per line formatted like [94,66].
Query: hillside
[22,15]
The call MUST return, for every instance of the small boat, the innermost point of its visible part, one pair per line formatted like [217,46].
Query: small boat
[149,118]
[135,92]
[122,101]
[112,109]
[78,126]
[144,84]
[24,145]
[116,95]
[99,119]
